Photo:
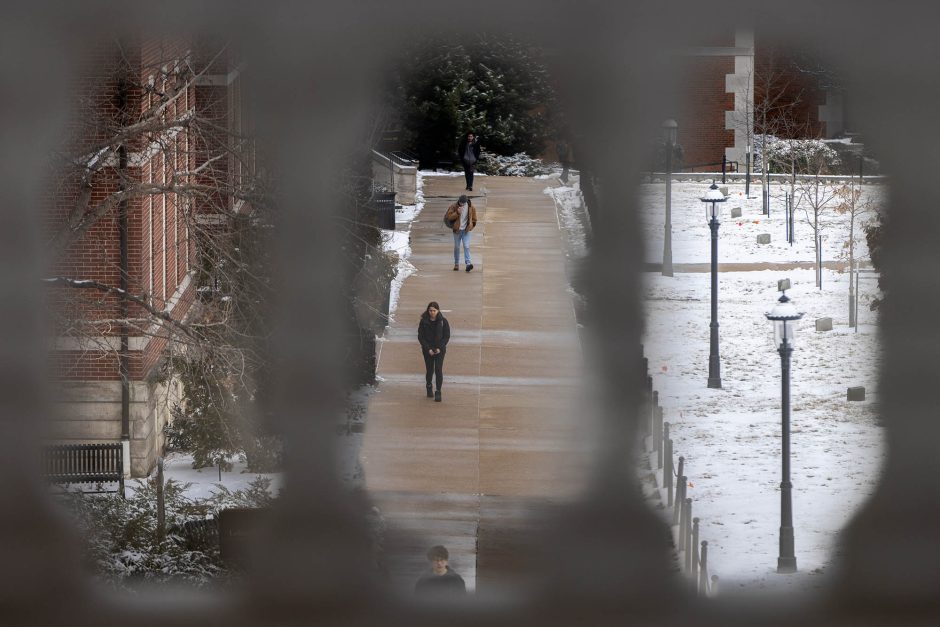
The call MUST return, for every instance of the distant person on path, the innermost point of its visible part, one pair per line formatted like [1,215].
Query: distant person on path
[433,335]
[462,217]
[441,581]
[469,152]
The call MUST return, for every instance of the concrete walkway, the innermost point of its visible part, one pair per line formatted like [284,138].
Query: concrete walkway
[467,472]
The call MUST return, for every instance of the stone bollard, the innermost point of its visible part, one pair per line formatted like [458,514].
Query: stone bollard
[687,532]
[763,238]
[695,558]
[736,212]
[856,393]
[723,190]
[824,324]
[703,570]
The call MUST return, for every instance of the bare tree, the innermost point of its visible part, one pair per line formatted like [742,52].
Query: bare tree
[812,194]
[858,213]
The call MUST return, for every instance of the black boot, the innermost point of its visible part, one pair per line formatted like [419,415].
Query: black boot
[437,396]
[430,393]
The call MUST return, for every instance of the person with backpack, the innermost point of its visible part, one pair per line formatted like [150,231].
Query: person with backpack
[461,217]
[469,153]
[433,335]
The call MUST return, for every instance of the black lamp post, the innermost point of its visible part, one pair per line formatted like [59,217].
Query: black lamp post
[670,133]
[784,316]
[711,199]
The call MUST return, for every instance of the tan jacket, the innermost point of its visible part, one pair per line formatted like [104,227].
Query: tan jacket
[453,213]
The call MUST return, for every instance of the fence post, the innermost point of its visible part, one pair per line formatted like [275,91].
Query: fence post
[724,165]
[649,419]
[695,546]
[680,499]
[658,429]
[664,437]
[687,532]
[161,505]
[677,475]
[703,570]
[667,471]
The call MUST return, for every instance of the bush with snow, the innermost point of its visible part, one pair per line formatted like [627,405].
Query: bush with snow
[808,156]
[519,164]
[120,535]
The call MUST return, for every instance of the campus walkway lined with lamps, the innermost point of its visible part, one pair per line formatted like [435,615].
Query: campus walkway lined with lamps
[508,438]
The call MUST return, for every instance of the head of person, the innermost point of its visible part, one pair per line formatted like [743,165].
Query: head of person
[463,200]
[433,310]
[470,137]
[438,557]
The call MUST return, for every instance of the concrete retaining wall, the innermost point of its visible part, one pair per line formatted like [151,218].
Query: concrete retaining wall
[402,179]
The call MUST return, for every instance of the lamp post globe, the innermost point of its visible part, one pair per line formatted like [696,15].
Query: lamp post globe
[784,317]
[712,200]
[670,134]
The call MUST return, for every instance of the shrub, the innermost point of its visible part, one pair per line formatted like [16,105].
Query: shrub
[519,164]
[809,156]
[120,534]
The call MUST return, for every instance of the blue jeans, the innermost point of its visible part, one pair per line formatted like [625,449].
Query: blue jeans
[462,236]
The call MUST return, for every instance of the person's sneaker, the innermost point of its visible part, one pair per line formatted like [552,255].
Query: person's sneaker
[430,393]
[469,267]
[437,396]
[456,267]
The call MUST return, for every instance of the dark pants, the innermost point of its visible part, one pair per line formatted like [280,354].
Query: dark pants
[468,173]
[434,365]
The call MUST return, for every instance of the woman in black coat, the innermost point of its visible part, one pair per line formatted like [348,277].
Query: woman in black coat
[433,334]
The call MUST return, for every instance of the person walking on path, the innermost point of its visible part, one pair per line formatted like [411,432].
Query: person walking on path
[469,152]
[433,335]
[442,580]
[463,217]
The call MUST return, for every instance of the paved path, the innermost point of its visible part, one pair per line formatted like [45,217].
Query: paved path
[467,472]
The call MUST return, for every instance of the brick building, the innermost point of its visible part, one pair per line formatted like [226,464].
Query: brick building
[151,132]
[726,84]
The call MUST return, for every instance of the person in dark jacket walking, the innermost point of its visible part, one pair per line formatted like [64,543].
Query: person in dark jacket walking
[469,152]
[442,580]
[433,334]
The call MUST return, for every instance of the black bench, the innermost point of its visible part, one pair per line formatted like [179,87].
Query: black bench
[98,464]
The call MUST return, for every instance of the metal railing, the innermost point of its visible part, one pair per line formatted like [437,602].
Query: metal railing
[674,480]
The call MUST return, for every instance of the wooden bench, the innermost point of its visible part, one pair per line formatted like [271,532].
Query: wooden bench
[97,464]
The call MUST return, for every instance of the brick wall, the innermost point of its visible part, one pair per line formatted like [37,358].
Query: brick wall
[702,132]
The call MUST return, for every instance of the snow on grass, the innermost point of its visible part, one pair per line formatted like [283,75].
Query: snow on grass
[571,214]
[738,236]
[399,243]
[205,481]
[731,438]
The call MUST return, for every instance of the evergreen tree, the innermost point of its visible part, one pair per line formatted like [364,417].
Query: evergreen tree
[495,87]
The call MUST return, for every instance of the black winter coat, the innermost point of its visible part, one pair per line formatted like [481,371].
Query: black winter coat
[433,333]
[462,149]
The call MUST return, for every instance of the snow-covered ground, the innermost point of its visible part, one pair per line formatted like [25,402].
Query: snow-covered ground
[204,482]
[738,236]
[730,438]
